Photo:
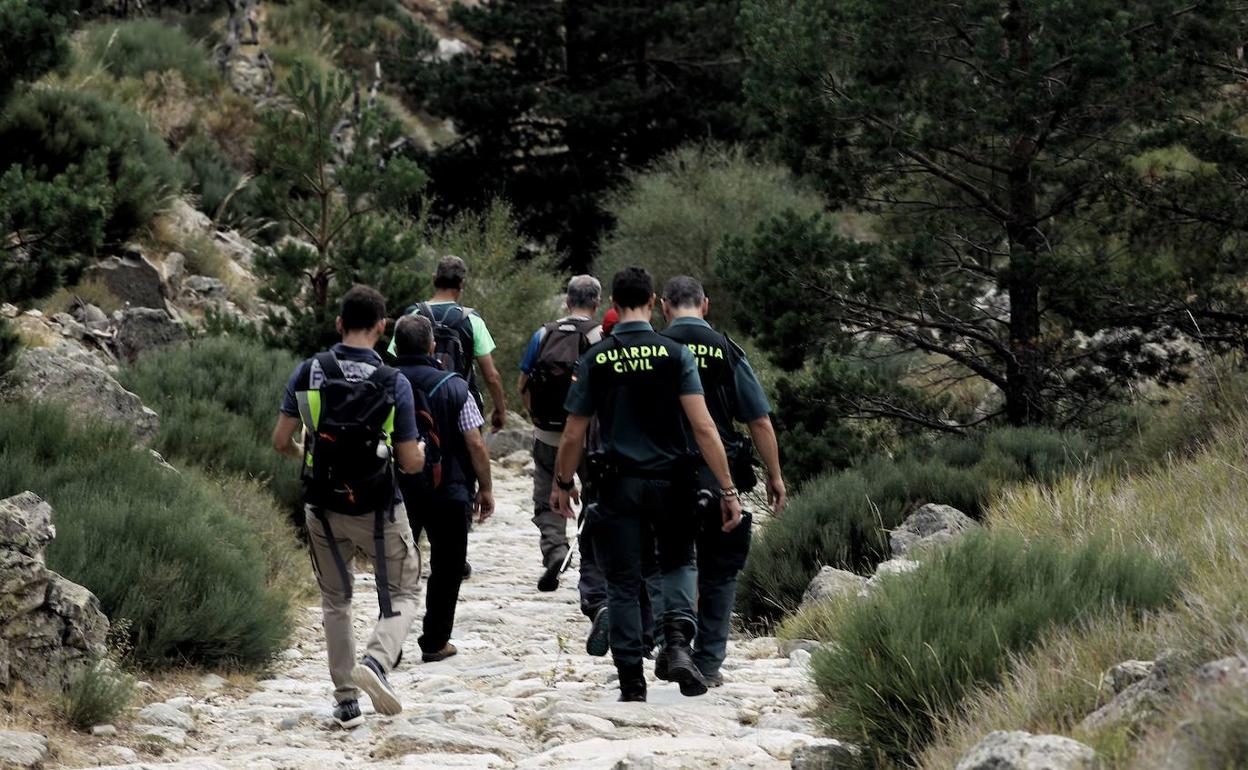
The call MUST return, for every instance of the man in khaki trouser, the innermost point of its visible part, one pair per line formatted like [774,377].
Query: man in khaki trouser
[358,418]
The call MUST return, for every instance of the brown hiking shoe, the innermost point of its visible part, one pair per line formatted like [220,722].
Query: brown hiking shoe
[442,654]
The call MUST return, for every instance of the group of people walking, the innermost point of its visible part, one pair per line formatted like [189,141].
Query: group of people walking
[638,426]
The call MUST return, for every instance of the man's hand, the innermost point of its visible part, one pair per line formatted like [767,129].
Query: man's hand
[498,419]
[484,504]
[561,501]
[777,495]
[730,508]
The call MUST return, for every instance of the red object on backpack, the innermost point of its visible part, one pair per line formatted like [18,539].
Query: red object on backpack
[609,320]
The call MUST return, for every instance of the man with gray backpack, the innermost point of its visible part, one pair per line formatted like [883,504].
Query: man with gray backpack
[545,377]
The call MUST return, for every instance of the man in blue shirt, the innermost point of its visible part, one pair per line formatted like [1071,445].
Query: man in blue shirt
[733,394]
[643,387]
[335,535]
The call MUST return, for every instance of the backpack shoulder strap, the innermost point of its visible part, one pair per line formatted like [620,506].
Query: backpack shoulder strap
[424,308]
[455,312]
[329,366]
[442,382]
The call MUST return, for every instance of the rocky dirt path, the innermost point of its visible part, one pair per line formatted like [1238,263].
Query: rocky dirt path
[522,693]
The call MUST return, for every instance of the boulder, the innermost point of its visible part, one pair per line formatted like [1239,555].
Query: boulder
[86,390]
[172,271]
[894,567]
[186,221]
[1127,673]
[235,246]
[69,326]
[133,279]
[89,315]
[205,287]
[509,440]
[1141,701]
[22,750]
[1017,750]
[831,583]
[930,525]
[143,329]
[166,715]
[50,627]
[8,311]
[1232,672]
[826,755]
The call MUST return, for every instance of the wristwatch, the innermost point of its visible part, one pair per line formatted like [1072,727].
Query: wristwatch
[566,486]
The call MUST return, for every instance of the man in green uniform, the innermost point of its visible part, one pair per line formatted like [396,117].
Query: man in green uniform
[732,394]
[643,388]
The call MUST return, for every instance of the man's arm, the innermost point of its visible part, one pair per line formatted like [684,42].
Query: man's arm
[410,456]
[525,396]
[480,456]
[712,449]
[494,382]
[571,447]
[764,435]
[284,436]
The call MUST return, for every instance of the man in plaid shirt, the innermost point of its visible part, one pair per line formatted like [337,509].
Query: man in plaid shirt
[465,487]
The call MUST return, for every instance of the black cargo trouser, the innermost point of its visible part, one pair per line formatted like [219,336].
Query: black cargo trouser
[446,523]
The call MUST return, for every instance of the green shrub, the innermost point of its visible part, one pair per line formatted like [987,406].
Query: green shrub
[842,519]
[97,695]
[160,549]
[9,346]
[909,653]
[672,217]
[215,180]
[53,130]
[136,47]
[217,399]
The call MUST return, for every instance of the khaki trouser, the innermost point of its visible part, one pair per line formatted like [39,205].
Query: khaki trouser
[403,577]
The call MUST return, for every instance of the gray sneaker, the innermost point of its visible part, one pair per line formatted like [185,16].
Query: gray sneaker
[370,677]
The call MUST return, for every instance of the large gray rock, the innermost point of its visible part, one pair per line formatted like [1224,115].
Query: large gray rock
[509,440]
[930,525]
[826,755]
[19,751]
[1144,699]
[143,329]
[133,279]
[831,583]
[166,715]
[1127,673]
[50,627]
[205,287]
[1023,751]
[85,389]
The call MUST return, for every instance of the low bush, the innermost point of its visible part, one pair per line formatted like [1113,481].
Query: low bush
[217,399]
[842,519]
[97,695]
[911,651]
[135,47]
[55,130]
[223,192]
[162,550]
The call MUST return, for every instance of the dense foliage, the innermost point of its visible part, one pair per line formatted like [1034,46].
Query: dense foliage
[912,650]
[564,97]
[163,550]
[217,399]
[136,47]
[843,519]
[1056,182]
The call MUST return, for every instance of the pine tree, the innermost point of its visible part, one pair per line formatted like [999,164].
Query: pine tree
[563,97]
[1054,185]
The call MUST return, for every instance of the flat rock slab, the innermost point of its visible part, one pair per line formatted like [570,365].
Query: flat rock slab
[19,750]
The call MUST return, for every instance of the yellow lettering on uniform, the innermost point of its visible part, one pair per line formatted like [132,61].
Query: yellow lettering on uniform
[600,359]
[663,353]
[618,366]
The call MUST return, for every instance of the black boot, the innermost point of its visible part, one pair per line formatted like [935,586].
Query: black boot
[680,667]
[632,682]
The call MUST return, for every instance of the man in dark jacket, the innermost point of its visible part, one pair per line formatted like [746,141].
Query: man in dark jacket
[439,499]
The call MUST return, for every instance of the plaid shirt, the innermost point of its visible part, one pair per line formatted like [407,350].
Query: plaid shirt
[470,416]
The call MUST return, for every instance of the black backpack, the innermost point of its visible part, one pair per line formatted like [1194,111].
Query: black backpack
[424,486]
[452,338]
[551,375]
[351,469]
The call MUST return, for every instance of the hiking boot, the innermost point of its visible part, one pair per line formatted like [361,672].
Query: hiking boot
[549,580]
[632,682]
[370,677]
[715,679]
[599,641]
[680,667]
[347,714]
[660,666]
[440,655]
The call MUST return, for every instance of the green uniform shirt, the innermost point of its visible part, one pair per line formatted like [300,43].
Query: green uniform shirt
[752,402]
[632,381]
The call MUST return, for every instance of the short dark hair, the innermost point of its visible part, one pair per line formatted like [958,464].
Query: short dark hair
[451,273]
[413,336]
[632,287]
[684,292]
[362,307]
